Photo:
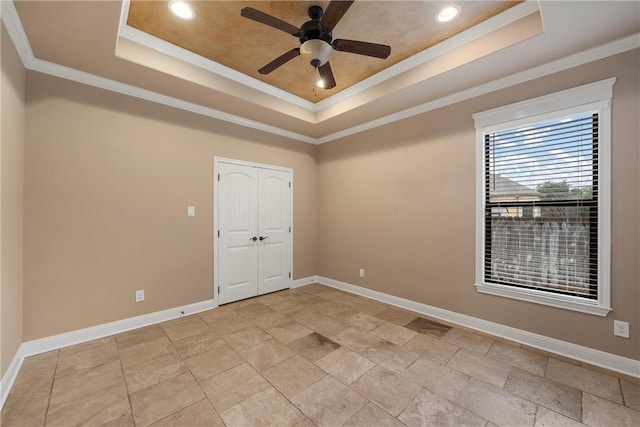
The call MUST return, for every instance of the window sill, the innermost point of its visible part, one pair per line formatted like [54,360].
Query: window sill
[566,302]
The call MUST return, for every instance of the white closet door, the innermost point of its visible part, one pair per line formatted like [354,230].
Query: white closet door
[274,221]
[238,226]
[254,231]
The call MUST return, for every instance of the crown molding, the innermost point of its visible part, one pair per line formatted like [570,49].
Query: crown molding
[609,49]
[18,36]
[484,28]
[14,27]
[68,73]
[177,52]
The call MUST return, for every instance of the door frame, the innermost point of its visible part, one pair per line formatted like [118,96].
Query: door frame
[216,161]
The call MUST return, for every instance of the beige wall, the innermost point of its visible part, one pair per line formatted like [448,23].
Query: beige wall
[108,179]
[399,201]
[12,137]
[107,183]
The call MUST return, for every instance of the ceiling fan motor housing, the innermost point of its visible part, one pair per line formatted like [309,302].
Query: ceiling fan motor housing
[315,41]
[312,30]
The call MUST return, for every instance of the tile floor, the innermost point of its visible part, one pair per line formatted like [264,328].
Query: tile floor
[312,356]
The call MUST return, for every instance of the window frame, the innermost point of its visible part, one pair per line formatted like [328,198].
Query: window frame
[594,97]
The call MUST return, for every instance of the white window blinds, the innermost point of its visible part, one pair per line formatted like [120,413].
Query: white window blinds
[541,206]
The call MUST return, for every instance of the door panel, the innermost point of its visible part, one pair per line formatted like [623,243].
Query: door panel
[274,254]
[238,215]
[274,219]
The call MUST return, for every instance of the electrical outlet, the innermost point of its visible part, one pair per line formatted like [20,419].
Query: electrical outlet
[621,329]
[140,296]
[362,272]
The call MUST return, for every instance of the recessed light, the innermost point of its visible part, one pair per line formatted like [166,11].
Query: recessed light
[446,14]
[181,9]
[320,83]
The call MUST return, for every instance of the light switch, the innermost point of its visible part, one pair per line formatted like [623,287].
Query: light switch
[191,211]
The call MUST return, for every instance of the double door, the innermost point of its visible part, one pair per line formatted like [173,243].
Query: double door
[254,230]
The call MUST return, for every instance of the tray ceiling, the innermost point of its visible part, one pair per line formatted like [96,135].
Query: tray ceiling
[219,33]
[91,42]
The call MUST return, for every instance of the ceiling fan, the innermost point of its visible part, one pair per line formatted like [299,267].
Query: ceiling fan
[316,39]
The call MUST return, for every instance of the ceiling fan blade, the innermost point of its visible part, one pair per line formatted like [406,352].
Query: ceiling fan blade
[362,48]
[334,13]
[280,60]
[272,21]
[327,76]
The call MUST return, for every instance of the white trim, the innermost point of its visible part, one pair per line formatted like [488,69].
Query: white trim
[592,97]
[604,205]
[588,355]
[561,301]
[216,226]
[214,221]
[592,356]
[555,111]
[8,16]
[494,119]
[66,339]
[479,237]
[16,32]
[177,52]
[488,26]
[304,281]
[251,164]
[148,95]
[609,49]
[18,36]
[9,377]
[55,342]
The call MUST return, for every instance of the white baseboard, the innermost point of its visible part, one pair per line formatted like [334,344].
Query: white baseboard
[9,377]
[55,342]
[585,354]
[592,356]
[66,339]
[304,281]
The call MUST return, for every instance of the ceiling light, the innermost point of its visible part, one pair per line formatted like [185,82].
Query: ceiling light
[182,9]
[446,14]
[320,83]
[316,52]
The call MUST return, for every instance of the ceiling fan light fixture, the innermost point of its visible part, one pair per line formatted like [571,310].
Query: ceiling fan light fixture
[320,83]
[448,13]
[316,52]
[182,9]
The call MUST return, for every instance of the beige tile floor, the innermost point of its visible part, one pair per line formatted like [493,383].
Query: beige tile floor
[313,356]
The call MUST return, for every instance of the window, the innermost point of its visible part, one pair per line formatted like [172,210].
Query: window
[543,199]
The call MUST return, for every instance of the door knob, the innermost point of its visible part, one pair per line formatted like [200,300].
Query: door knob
[263,238]
[254,238]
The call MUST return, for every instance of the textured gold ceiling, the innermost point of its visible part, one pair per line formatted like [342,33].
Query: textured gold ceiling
[219,33]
